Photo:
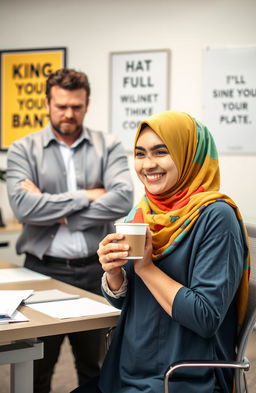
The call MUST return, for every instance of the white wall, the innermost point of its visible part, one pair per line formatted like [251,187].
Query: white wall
[90,29]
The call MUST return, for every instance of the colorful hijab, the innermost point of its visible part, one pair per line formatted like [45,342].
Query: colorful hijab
[171,216]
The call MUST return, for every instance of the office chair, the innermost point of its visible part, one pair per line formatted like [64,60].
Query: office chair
[241,364]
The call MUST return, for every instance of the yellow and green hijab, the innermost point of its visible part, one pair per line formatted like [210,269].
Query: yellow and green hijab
[171,217]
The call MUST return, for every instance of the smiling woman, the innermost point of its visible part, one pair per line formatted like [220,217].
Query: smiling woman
[192,284]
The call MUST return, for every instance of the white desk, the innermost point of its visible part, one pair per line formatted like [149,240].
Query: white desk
[18,343]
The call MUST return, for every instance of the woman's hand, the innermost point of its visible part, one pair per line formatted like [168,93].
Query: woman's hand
[110,253]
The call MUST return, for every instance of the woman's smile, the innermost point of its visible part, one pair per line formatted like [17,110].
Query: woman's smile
[154,177]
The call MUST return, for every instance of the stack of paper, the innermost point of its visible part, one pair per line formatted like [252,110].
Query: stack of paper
[74,308]
[16,317]
[9,302]
[49,295]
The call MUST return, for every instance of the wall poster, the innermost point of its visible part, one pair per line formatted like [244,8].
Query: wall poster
[23,74]
[229,98]
[139,88]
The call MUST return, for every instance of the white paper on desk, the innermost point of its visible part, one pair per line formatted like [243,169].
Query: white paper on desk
[16,317]
[49,295]
[73,308]
[10,300]
[20,274]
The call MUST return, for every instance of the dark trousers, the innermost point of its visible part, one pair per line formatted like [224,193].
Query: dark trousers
[87,347]
[88,387]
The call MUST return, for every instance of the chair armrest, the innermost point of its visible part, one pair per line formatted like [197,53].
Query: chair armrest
[244,365]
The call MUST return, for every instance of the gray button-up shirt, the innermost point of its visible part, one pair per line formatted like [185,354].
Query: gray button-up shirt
[99,160]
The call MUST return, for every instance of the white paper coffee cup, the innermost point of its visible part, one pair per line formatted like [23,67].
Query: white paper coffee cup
[135,236]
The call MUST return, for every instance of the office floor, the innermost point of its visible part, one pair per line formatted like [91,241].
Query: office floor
[64,379]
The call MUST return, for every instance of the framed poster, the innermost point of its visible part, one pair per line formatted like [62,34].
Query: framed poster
[139,88]
[23,75]
[229,98]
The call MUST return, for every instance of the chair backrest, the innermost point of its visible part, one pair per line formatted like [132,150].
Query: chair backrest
[250,318]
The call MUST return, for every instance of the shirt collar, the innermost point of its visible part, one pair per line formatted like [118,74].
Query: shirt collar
[49,137]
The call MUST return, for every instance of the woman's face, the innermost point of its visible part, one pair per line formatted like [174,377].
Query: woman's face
[154,164]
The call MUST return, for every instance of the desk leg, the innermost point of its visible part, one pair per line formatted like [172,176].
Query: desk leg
[20,355]
[22,377]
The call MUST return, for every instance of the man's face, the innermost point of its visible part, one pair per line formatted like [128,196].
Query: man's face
[67,109]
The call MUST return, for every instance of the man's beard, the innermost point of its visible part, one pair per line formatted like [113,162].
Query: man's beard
[62,132]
